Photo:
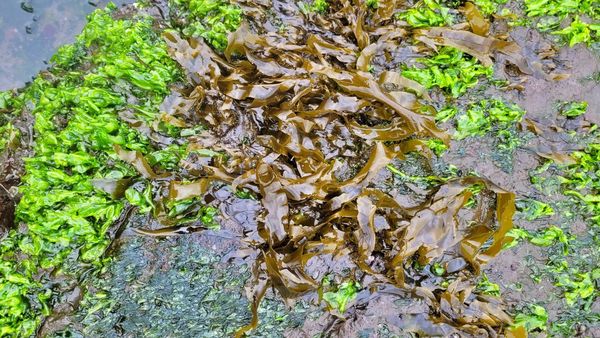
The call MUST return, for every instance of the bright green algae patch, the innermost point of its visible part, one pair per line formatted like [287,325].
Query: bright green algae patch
[10,105]
[9,136]
[427,13]
[489,7]
[535,318]
[451,70]
[316,6]
[582,182]
[209,19]
[77,124]
[338,296]
[552,13]
[532,209]
[486,115]
[573,109]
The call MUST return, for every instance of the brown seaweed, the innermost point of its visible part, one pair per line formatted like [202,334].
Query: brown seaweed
[478,46]
[479,24]
[290,108]
[137,160]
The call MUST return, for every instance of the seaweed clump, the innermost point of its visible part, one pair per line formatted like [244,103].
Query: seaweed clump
[209,19]
[570,265]
[300,103]
[552,13]
[77,125]
[449,70]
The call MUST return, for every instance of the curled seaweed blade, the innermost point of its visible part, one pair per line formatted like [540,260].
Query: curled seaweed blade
[365,235]
[115,188]
[307,126]
[505,210]
[478,46]
[289,280]
[479,24]
[364,86]
[180,191]
[137,160]
[275,203]
[352,188]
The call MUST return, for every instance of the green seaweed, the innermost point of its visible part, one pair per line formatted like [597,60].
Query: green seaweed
[577,285]
[550,236]
[474,189]
[486,287]
[535,318]
[574,274]
[67,218]
[535,8]
[316,6]
[445,114]
[546,237]
[561,8]
[552,12]
[473,123]
[489,7]
[486,115]
[532,209]
[580,32]
[168,158]
[6,98]
[140,197]
[427,13]
[190,210]
[582,182]
[9,136]
[573,109]
[245,194]
[437,269]
[437,146]
[373,4]
[212,20]
[573,269]
[338,296]
[450,70]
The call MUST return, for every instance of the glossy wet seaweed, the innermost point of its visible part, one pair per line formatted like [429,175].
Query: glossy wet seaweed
[271,79]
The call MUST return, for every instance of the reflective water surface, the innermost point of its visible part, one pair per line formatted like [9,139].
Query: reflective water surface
[32,30]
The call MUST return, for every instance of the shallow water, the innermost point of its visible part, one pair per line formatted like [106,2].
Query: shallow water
[32,30]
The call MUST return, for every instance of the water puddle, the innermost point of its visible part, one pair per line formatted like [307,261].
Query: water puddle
[32,30]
